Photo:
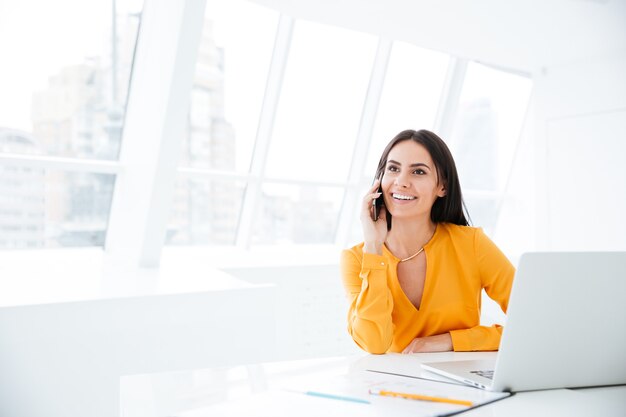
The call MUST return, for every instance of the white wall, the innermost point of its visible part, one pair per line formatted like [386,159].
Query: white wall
[580,143]
[575,52]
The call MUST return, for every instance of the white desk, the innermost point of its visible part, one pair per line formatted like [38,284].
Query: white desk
[72,325]
[261,393]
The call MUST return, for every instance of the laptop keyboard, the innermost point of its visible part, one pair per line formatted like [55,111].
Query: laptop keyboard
[484,374]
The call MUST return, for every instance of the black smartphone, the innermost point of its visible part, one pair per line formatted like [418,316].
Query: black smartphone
[378,202]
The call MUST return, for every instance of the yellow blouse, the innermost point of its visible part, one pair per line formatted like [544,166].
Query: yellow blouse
[461,261]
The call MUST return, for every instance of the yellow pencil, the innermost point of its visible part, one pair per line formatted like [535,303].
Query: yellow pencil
[421,397]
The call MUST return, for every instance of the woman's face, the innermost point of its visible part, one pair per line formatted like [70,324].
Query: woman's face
[410,181]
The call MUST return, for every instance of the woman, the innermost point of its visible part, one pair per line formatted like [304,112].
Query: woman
[414,284]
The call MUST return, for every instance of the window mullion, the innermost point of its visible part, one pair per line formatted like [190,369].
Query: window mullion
[92,166]
[362,143]
[450,94]
[275,77]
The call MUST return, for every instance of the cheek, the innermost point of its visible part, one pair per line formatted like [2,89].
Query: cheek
[427,187]
[386,183]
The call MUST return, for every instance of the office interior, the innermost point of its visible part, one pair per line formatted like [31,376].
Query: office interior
[151,151]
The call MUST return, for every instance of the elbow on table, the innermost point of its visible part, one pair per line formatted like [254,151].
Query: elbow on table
[376,346]
[377,350]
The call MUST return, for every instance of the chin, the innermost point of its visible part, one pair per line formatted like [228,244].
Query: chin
[399,213]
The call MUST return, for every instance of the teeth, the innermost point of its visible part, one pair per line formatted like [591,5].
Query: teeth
[403,197]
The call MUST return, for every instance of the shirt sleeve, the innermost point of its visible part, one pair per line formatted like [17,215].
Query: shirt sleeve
[371,302]
[496,275]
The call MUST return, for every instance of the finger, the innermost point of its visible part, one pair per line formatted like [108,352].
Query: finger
[370,197]
[368,208]
[382,218]
[374,186]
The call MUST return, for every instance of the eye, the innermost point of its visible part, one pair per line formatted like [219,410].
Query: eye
[419,171]
[392,168]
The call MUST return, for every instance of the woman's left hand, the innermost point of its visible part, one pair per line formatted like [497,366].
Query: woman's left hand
[438,343]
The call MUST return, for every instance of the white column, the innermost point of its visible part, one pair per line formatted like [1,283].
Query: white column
[156,113]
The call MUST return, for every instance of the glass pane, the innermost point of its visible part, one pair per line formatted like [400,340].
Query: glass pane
[491,111]
[297,214]
[44,208]
[205,212]
[490,114]
[410,97]
[321,102]
[229,85]
[63,82]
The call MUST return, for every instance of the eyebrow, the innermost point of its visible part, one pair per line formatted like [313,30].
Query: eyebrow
[417,164]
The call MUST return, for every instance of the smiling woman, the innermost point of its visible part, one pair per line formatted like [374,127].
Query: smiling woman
[428,164]
[415,282]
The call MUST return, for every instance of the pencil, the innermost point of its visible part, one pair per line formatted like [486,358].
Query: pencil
[421,397]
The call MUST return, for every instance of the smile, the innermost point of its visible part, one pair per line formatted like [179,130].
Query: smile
[402,197]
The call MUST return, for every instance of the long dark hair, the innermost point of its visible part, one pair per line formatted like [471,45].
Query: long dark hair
[449,208]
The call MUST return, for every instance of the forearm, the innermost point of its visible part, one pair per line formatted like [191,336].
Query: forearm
[369,321]
[479,338]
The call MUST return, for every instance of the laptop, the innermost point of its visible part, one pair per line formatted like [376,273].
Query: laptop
[565,328]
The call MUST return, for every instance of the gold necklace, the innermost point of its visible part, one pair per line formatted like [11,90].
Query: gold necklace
[413,256]
[421,249]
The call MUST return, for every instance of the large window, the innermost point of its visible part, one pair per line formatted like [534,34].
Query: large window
[315,127]
[65,74]
[297,214]
[323,91]
[287,119]
[225,105]
[230,75]
[205,211]
[410,96]
[485,137]
[48,208]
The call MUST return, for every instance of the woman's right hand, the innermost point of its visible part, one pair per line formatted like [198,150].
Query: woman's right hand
[374,232]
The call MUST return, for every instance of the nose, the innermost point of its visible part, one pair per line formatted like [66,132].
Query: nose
[401,181]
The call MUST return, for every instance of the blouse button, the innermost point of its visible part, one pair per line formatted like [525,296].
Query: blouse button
[382,264]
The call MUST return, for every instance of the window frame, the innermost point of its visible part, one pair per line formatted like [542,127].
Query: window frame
[148,237]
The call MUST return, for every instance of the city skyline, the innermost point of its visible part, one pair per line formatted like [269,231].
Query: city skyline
[79,114]
[80,111]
